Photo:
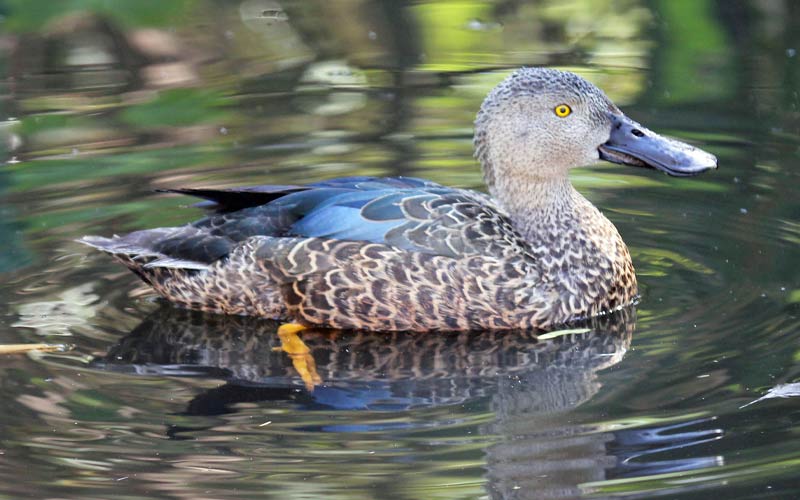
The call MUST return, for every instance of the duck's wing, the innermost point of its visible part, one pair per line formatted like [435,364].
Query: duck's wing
[238,198]
[222,200]
[406,213]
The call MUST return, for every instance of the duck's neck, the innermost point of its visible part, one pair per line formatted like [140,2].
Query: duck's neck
[577,249]
[546,203]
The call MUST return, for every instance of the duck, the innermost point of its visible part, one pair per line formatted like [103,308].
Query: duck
[406,254]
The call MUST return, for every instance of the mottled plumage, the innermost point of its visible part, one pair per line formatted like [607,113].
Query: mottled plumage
[409,254]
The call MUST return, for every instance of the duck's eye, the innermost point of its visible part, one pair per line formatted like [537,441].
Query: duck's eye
[562,110]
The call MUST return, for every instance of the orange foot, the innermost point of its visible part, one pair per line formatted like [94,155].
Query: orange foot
[302,360]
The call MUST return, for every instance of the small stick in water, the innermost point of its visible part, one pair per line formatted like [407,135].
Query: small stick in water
[24,348]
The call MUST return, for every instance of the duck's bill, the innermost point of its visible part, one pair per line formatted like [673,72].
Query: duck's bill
[632,144]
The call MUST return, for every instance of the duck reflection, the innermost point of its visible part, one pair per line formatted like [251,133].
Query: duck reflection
[377,371]
[530,384]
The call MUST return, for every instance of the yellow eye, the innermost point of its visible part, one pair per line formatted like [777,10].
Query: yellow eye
[562,110]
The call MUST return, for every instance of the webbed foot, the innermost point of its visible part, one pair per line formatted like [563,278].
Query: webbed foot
[299,352]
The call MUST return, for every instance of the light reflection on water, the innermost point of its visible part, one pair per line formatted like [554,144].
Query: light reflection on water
[159,403]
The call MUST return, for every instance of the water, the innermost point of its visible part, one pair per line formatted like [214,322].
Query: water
[103,106]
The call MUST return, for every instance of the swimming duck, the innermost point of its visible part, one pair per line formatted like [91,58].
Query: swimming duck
[407,254]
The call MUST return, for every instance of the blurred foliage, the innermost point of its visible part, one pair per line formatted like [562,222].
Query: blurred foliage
[34,15]
[176,108]
[695,62]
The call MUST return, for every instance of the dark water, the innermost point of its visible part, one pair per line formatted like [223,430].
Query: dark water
[103,105]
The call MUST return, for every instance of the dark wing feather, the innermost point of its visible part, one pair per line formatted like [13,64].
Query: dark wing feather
[238,198]
[407,213]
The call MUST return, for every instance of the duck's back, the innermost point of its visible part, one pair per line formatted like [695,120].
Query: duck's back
[363,253]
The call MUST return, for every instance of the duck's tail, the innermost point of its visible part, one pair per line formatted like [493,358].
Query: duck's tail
[136,251]
[117,245]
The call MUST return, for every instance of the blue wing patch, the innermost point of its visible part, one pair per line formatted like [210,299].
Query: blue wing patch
[342,216]
[401,211]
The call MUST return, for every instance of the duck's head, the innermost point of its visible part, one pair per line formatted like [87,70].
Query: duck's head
[538,123]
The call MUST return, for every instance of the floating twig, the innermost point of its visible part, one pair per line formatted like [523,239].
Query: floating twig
[26,348]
